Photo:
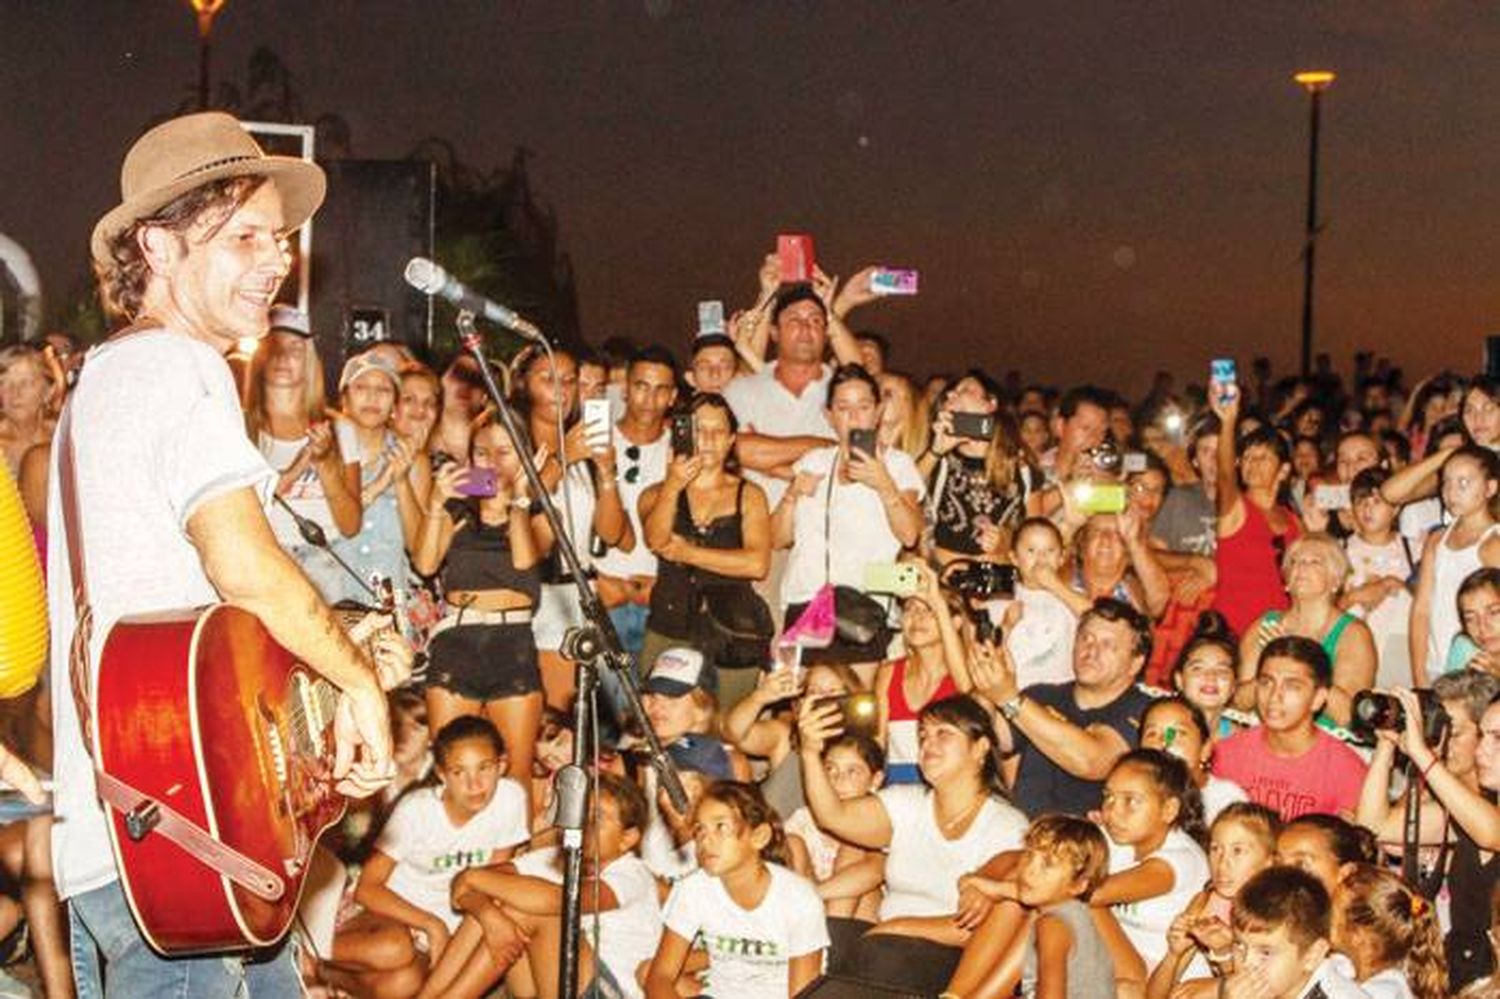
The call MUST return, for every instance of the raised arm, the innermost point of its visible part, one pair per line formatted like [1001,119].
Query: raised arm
[862,821]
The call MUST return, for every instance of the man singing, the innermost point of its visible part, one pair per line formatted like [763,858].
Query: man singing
[169,502]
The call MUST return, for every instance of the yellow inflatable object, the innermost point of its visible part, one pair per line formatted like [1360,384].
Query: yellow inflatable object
[23,596]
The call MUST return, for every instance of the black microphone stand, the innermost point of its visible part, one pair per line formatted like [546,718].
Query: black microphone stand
[591,646]
[312,532]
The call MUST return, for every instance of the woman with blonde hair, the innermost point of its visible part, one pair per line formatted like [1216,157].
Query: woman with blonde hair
[29,396]
[286,415]
[1315,569]
[904,420]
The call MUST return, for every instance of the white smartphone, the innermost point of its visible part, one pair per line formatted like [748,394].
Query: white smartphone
[597,429]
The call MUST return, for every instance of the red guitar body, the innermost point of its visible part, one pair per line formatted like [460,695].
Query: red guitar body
[202,710]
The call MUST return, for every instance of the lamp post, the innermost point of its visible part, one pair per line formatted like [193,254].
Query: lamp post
[1314,82]
[205,9]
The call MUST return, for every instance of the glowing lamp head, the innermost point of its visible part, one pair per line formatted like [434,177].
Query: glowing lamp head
[1314,80]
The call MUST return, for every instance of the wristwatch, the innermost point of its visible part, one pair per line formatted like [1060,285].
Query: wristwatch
[1009,709]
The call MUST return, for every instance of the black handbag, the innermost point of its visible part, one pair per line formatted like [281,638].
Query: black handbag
[737,625]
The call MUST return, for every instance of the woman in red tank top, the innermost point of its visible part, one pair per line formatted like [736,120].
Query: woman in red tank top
[1254,528]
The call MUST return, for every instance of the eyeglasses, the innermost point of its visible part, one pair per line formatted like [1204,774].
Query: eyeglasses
[633,455]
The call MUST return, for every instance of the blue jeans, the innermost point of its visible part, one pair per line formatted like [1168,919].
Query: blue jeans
[104,935]
[630,622]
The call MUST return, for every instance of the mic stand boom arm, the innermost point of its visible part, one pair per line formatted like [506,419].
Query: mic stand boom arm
[598,643]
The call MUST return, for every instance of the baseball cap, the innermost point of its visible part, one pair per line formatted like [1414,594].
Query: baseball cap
[291,319]
[676,673]
[362,364]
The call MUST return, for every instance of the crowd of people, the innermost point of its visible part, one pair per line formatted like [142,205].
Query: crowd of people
[977,687]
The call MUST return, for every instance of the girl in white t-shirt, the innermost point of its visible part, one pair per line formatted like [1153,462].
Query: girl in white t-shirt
[760,924]
[1174,725]
[472,818]
[513,911]
[855,767]
[1242,843]
[1391,934]
[1154,819]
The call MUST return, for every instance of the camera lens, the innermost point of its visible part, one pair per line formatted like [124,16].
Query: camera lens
[1375,711]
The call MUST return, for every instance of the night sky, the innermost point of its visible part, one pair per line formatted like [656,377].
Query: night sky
[1091,190]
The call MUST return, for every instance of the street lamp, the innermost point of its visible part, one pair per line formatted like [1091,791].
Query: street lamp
[1314,82]
[206,9]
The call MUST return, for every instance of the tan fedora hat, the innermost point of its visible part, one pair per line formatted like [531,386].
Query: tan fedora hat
[179,155]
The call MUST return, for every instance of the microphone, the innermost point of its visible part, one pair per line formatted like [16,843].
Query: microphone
[430,279]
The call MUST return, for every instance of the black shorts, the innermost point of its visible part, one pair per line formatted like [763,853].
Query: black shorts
[485,662]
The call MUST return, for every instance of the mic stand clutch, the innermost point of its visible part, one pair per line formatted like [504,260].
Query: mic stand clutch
[592,646]
[313,534]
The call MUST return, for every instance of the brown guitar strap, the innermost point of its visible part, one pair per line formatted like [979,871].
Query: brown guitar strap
[139,809]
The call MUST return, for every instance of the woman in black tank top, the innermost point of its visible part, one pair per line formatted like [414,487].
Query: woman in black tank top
[707,526]
[488,547]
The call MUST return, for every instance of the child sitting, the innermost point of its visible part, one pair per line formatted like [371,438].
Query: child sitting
[1242,843]
[1281,935]
[521,903]
[761,924]
[1040,641]
[1391,934]
[855,767]
[1065,859]
[473,817]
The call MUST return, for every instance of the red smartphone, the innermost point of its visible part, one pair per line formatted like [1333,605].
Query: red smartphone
[795,253]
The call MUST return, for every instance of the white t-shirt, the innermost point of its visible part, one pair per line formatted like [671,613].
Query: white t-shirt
[666,858]
[1146,922]
[922,867]
[1335,977]
[1218,794]
[628,934]
[1388,984]
[157,432]
[763,405]
[647,469]
[856,525]
[429,850]
[1041,643]
[308,497]
[1390,621]
[306,494]
[749,950]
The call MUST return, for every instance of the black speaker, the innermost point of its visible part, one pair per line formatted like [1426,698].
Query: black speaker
[846,987]
[1492,355]
[377,216]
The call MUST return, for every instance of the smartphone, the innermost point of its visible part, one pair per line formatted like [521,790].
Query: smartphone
[597,430]
[1331,497]
[1099,497]
[711,318]
[1221,376]
[478,482]
[974,426]
[861,712]
[683,442]
[1133,462]
[899,578]
[788,656]
[794,252]
[862,440]
[893,281]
